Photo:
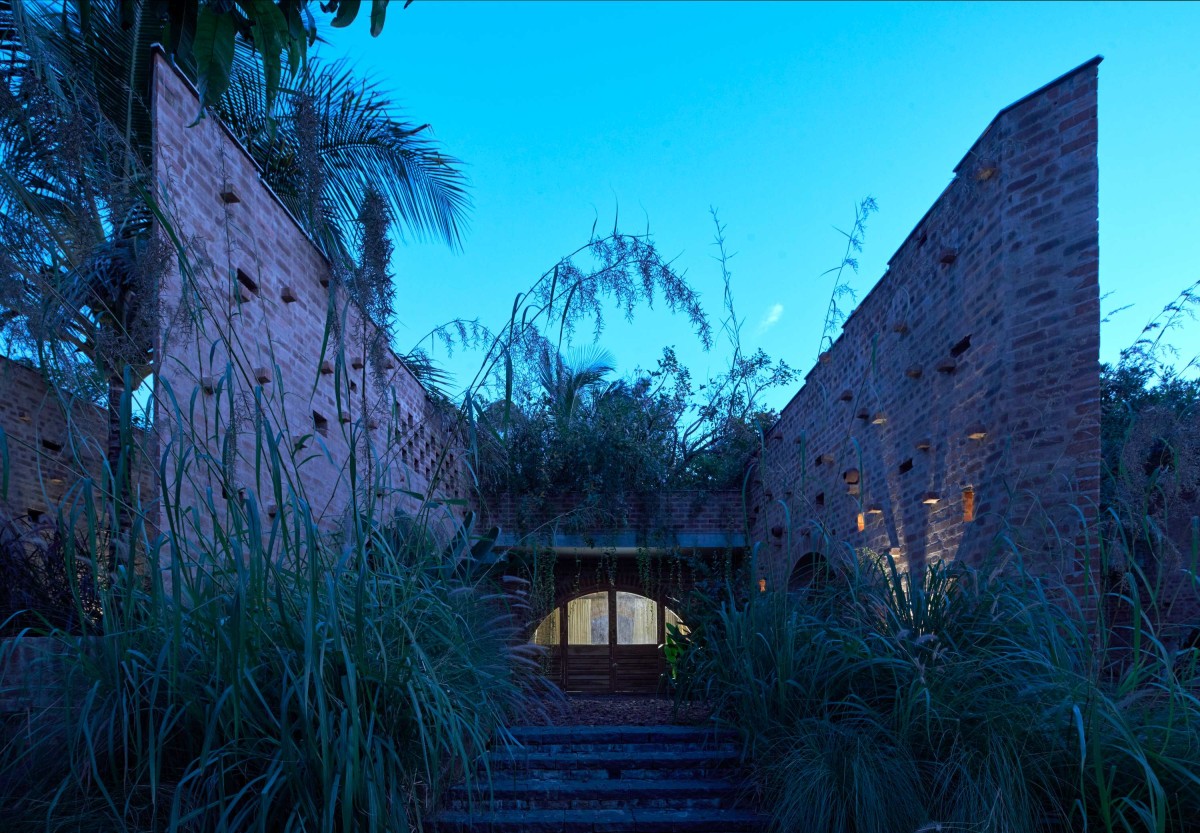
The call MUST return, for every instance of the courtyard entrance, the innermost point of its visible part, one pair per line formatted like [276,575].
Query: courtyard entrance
[607,642]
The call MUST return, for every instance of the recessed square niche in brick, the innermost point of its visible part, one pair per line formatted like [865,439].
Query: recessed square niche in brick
[961,347]
[906,466]
[247,287]
[320,424]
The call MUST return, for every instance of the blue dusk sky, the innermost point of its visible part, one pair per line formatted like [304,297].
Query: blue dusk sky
[781,116]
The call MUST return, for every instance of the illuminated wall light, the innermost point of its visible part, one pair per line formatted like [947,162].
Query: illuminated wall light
[968,496]
[976,432]
[762,585]
[879,419]
[862,521]
[930,499]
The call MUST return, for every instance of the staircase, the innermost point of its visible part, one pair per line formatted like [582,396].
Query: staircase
[577,779]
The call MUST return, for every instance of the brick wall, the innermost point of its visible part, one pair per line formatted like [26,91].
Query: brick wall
[972,365]
[258,342]
[55,445]
[689,519]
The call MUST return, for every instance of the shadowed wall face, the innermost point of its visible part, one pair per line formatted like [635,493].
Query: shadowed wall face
[258,332]
[960,405]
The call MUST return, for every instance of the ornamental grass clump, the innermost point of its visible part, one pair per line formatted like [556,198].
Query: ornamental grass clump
[282,677]
[953,698]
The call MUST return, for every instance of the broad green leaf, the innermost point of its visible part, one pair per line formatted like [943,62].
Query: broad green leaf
[346,12]
[215,35]
[270,39]
[378,13]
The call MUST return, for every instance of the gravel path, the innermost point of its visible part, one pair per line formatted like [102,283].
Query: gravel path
[617,710]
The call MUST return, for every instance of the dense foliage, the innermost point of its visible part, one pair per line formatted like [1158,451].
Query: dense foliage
[579,432]
[284,679]
[952,699]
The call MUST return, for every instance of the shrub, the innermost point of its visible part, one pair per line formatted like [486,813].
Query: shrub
[315,690]
[956,698]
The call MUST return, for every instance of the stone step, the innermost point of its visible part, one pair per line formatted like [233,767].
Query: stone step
[594,794]
[634,762]
[601,821]
[704,736]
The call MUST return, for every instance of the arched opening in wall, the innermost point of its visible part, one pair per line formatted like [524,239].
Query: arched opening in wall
[607,642]
[812,570]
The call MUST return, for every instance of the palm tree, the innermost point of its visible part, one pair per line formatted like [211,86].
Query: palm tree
[79,264]
[566,381]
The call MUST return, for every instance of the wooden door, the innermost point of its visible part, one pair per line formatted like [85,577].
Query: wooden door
[609,642]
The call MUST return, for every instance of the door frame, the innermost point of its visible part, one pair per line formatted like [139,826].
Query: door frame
[615,654]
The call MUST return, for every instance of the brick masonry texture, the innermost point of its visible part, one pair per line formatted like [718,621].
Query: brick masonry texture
[986,323]
[55,446]
[972,365]
[257,334]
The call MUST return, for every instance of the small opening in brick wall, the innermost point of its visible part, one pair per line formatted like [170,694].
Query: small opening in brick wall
[960,348]
[819,500]
[320,424]
[906,466]
[35,515]
[51,445]
[353,386]
[247,283]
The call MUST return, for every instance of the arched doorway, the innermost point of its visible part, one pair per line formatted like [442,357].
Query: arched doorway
[604,642]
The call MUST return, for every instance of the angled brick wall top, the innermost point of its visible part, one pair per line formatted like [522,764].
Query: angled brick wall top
[257,334]
[968,379]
